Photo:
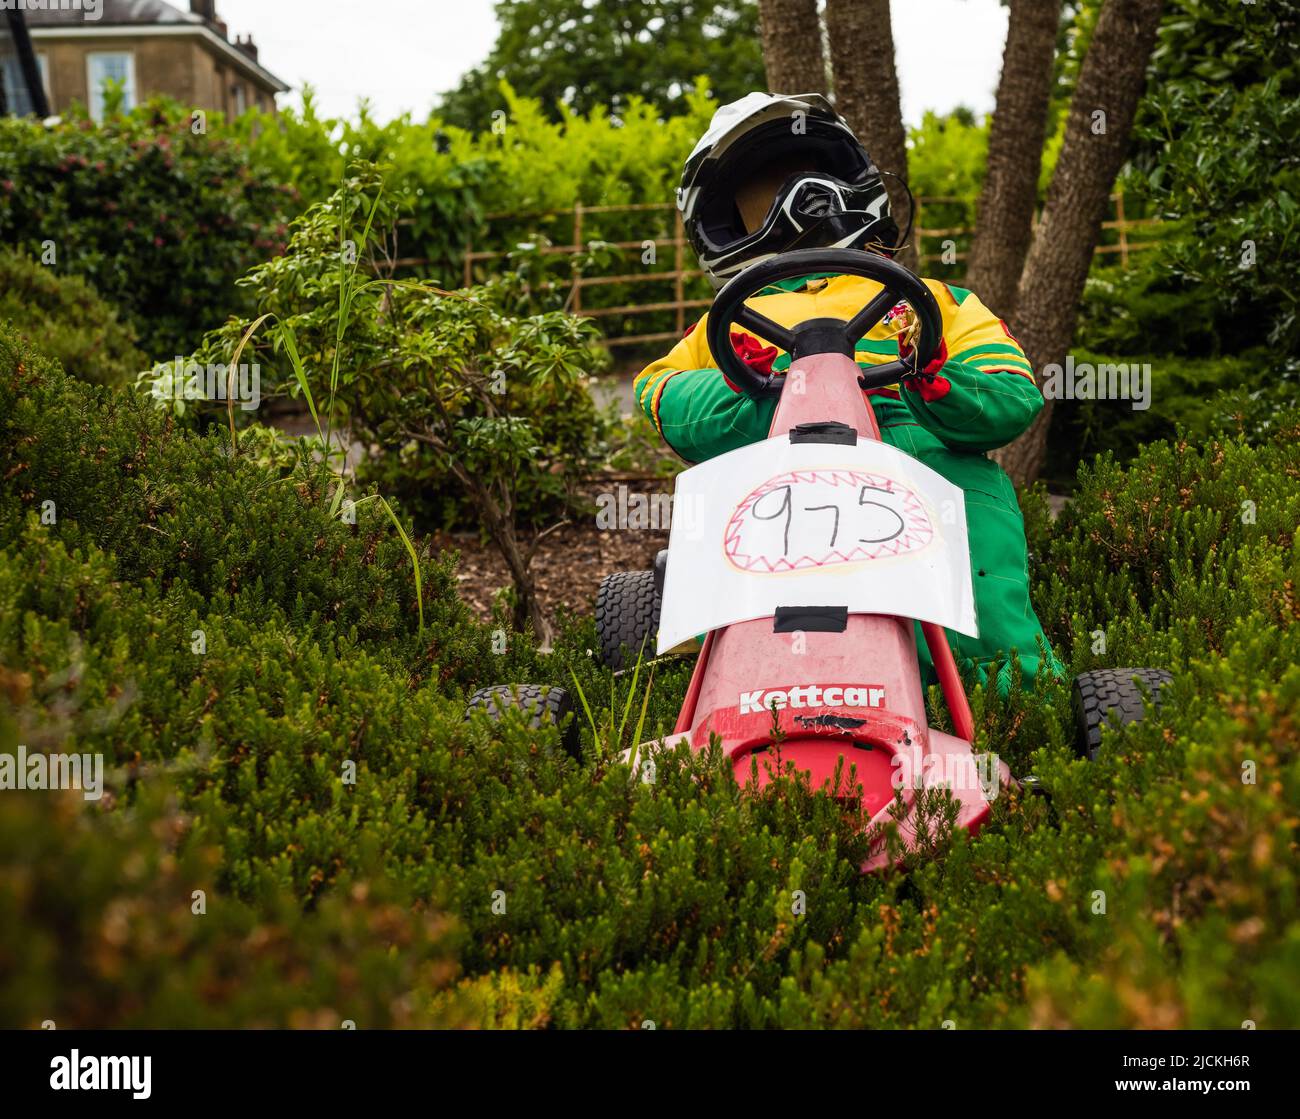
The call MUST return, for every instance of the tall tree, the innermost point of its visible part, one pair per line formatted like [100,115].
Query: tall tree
[866,94]
[583,55]
[792,46]
[1006,207]
[1105,100]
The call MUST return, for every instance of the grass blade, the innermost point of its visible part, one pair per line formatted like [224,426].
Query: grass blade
[337,500]
[300,375]
[415,560]
[631,692]
[586,707]
[640,723]
[230,376]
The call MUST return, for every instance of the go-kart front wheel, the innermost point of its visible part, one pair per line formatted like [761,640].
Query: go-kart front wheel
[541,703]
[1103,690]
[627,617]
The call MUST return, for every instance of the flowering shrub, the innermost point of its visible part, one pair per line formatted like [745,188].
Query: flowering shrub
[161,219]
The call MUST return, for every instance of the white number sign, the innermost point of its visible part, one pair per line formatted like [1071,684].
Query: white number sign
[815,524]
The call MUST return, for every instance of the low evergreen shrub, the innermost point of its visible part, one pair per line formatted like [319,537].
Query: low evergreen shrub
[65,317]
[367,854]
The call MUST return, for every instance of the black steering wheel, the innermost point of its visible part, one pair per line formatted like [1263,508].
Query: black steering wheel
[823,335]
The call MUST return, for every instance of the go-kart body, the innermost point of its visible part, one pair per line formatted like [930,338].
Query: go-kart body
[847,689]
[835,686]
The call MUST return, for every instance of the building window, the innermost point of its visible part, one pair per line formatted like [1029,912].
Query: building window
[102,67]
[17,99]
[15,89]
[240,104]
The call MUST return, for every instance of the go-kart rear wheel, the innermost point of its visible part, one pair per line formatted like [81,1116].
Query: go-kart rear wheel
[542,703]
[627,617]
[1103,690]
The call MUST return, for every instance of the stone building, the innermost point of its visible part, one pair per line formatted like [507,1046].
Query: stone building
[150,47]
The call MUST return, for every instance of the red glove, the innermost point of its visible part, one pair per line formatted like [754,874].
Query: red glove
[927,381]
[753,353]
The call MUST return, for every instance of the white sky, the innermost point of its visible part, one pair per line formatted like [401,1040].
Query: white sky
[401,53]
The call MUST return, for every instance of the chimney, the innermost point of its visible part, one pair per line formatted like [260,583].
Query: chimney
[205,9]
[247,46]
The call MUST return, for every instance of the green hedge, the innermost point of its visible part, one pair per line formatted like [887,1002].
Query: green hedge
[1185,393]
[160,219]
[624,902]
[68,320]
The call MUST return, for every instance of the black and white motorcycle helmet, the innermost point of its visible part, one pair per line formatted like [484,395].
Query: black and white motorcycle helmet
[841,204]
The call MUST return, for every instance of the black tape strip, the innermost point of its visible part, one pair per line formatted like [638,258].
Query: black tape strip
[824,431]
[810,619]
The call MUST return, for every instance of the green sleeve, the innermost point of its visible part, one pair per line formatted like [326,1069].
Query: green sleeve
[701,416]
[973,409]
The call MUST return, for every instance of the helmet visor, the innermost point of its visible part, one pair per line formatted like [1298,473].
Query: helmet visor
[821,154]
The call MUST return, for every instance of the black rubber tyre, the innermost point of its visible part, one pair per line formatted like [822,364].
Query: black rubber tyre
[542,703]
[1103,690]
[627,615]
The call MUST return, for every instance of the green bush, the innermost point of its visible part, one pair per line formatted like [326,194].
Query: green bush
[1185,393]
[69,321]
[159,218]
[117,918]
[1213,145]
[449,179]
[426,378]
[474,873]
[214,531]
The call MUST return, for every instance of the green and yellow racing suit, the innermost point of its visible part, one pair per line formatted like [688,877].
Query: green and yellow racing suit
[976,394]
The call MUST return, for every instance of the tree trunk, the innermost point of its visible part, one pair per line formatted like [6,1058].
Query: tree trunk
[866,95]
[1111,80]
[498,513]
[1006,205]
[528,606]
[792,46]
[500,517]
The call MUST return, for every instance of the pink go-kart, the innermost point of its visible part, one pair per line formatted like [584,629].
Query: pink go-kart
[800,558]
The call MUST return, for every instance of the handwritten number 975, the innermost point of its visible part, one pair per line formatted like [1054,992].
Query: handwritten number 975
[785,509]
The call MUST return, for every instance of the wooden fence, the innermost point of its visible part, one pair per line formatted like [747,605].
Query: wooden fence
[1116,238]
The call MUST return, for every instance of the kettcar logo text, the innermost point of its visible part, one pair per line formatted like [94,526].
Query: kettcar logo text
[810,695]
[121,1073]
